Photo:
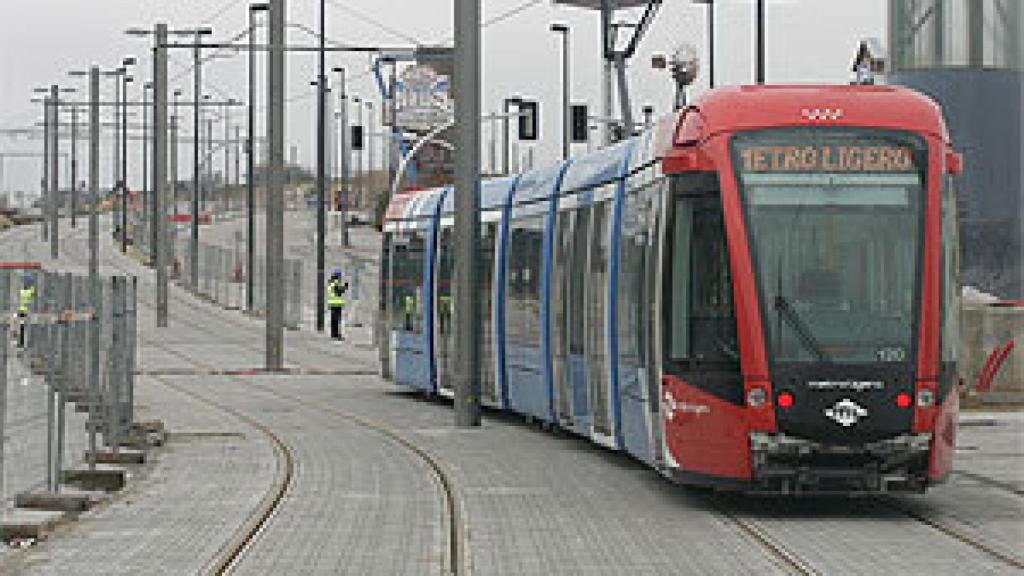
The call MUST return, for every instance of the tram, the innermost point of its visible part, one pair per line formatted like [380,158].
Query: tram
[760,293]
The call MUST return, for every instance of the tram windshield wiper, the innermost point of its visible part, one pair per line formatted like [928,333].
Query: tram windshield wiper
[803,332]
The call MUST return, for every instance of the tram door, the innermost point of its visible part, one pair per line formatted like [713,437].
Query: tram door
[560,318]
[444,335]
[576,267]
[596,295]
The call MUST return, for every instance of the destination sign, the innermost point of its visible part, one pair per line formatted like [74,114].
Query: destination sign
[827,158]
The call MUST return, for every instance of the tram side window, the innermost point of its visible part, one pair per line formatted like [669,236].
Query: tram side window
[702,322]
[407,282]
[951,273]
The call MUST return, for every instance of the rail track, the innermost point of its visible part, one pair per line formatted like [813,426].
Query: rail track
[457,550]
[992,482]
[779,553]
[957,533]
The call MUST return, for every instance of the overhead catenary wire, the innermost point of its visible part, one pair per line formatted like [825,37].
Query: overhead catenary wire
[514,11]
[374,22]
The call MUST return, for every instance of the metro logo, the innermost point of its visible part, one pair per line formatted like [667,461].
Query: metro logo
[825,158]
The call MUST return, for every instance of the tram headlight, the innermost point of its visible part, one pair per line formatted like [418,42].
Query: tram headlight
[925,398]
[756,397]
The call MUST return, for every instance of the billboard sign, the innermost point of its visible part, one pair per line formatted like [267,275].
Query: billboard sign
[423,98]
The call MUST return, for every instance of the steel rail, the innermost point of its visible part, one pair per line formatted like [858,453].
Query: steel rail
[458,562]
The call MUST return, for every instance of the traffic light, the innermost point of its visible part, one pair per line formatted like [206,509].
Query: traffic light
[529,113]
[357,137]
[580,133]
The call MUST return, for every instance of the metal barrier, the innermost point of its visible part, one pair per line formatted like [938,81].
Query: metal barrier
[80,345]
[222,277]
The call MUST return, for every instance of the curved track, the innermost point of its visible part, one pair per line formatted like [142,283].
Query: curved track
[257,520]
[457,550]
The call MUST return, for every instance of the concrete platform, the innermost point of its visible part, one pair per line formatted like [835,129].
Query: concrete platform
[105,477]
[67,500]
[27,524]
[122,456]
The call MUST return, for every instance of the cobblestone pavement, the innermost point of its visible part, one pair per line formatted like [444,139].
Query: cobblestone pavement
[535,502]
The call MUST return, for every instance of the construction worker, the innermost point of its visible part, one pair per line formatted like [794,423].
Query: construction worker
[26,296]
[410,311]
[336,302]
[445,312]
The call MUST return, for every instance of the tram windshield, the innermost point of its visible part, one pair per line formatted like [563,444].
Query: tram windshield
[835,220]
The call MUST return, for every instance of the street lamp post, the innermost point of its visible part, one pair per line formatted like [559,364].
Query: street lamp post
[566,126]
[321,169]
[368,144]
[711,39]
[44,189]
[359,153]
[507,131]
[147,194]
[208,163]
[74,164]
[344,155]
[760,42]
[125,80]
[250,148]
[197,89]
[227,153]
[54,169]
[174,164]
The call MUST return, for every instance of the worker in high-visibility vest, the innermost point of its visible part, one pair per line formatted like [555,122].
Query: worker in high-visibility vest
[26,297]
[410,311]
[445,310]
[336,303]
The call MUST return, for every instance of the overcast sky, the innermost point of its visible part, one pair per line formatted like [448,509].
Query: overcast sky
[40,40]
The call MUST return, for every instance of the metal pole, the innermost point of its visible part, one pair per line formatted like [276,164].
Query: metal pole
[467,213]
[44,205]
[4,343]
[51,361]
[74,164]
[494,145]
[346,159]
[124,164]
[171,237]
[208,198]
[361,152]
[566,120]
[196,98]
[116,178]
[94,280]
[508,136]
[64,333]
[711,44]
[393,152]
[227,158]
[236,181]
[146,191]
[368,141]
[250,179]
[760,42]
[159,218]
[321,173]
[54,172]
[275,189]
[606,61]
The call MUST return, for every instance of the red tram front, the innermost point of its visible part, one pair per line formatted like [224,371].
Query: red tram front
[808,291]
